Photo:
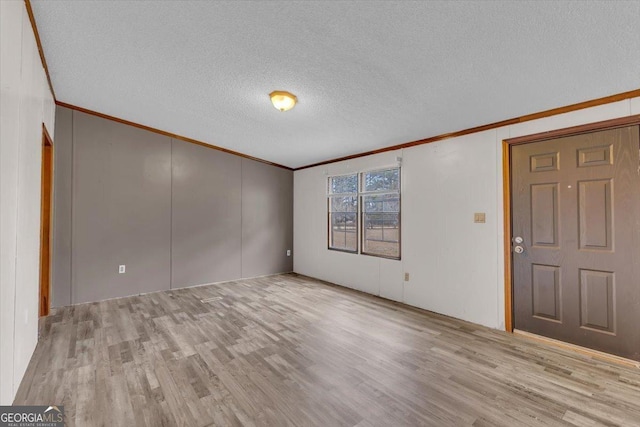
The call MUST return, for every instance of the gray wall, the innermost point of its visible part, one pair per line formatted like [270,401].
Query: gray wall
[267,200]
[121,202]
[175,213]
[61,245]
[206,220]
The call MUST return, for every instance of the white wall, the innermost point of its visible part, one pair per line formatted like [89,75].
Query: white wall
[25,103]
[456,266]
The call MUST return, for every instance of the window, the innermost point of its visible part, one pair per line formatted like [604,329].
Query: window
[343,213]
[373,197]
[380,192]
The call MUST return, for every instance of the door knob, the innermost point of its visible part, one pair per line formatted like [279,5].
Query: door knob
[518,249]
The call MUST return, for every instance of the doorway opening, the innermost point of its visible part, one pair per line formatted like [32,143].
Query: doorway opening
[45,222]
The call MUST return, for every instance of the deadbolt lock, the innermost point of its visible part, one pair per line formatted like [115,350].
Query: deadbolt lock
[518,240]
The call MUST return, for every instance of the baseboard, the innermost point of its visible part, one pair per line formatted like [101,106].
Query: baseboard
[53,309]
[579,349]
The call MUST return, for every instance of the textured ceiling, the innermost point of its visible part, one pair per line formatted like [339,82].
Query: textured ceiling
[367,74]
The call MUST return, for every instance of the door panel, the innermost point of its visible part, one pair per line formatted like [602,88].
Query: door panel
[595,214]
[597,310]
[576,205]
[546,291]
[544,214]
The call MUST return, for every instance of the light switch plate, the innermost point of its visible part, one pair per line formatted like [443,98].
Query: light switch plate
[122,269]
[479,217]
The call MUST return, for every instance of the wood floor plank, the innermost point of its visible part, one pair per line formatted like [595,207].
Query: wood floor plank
[290,350]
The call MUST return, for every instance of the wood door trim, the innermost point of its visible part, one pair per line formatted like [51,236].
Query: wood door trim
[595,354]
[506,175]
[47,140]
[169,134]
[506,194]
[34,27]
[547,113]
[46,203]
[576,130]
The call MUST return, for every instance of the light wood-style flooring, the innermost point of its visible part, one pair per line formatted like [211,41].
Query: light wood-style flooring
[289,350]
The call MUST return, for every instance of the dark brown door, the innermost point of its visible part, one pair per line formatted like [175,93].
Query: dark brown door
[576,207]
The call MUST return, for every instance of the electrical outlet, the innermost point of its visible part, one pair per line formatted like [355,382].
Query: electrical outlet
[288,252]
[406,277]
[122,269]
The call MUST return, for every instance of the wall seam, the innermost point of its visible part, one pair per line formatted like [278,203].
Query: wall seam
[402,229]
[71,188]
[171,213]
[379,276]
[241,216]
[500,321]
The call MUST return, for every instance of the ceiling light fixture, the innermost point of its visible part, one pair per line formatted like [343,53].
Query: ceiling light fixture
[282,100]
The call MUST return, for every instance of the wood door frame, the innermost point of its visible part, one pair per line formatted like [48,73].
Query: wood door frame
[506,176]
[46,223]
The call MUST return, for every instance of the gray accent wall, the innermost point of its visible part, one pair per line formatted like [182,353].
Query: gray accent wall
[62,178]
[206,221]
[267,200]
[121,201]
[175,213]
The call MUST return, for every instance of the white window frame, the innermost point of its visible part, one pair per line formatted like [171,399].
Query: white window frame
[360,194]
[357,212]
